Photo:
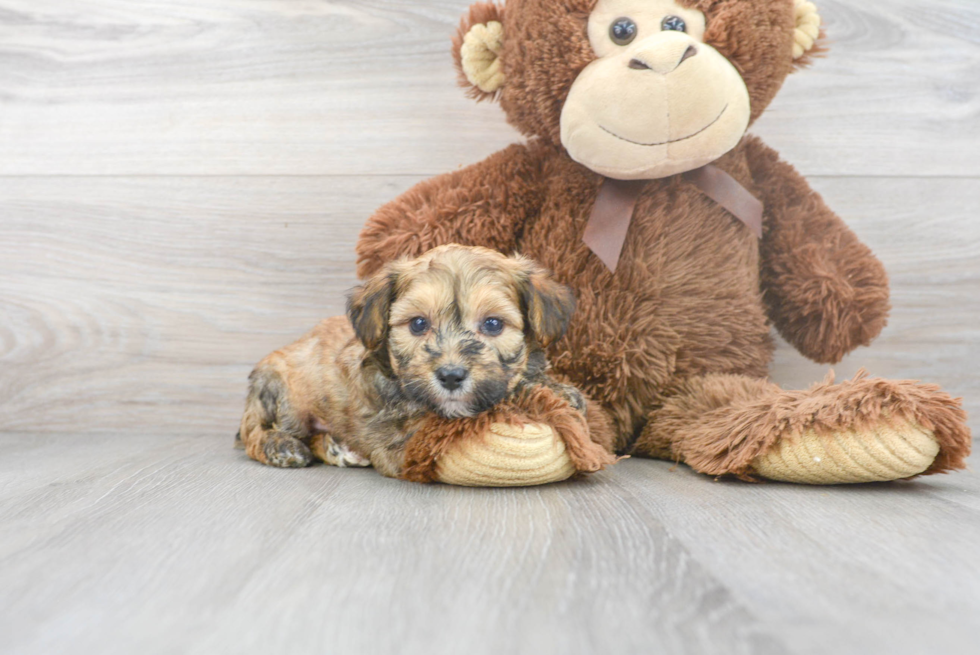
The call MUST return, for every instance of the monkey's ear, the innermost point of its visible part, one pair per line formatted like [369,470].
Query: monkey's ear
[476,51]
[368,306]
[808,37]
[547,305]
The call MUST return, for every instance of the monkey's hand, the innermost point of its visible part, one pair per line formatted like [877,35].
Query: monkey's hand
[826,292]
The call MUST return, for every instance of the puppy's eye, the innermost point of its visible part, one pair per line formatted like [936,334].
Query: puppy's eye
[674,24]
[622,31]
[418,326]
[492,327]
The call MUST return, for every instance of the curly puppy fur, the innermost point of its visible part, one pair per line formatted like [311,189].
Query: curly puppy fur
[695,294]
[356,391]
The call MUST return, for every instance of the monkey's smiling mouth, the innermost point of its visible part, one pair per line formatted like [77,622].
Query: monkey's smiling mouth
[664,143]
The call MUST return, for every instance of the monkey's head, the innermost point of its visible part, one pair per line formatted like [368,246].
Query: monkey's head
[635,89]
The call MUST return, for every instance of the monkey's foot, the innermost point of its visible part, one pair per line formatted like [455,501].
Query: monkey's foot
[863,430]
[860,430]
[885,452]
[508,456]
[535,439]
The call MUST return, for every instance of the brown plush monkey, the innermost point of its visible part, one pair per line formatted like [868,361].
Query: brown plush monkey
[684,239]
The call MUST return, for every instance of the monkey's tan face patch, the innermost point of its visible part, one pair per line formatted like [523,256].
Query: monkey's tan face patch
[456,330]
[658,100]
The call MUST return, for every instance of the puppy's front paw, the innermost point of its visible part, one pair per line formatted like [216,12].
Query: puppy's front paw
[337,454]
[286,452]
[574,398]
[570,394]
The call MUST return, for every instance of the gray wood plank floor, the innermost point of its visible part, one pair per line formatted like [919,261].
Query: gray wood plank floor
[163,544]
[181,186]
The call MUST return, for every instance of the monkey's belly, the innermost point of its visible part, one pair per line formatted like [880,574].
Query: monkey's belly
[685,299]
[626,349]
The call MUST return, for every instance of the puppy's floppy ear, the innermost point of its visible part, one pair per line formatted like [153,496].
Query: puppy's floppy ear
[368,306]
[476,51]
[547,305]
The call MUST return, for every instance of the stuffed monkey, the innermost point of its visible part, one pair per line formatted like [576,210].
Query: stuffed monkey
[684,238]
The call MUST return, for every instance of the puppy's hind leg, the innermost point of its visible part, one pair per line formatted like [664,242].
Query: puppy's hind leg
[272,432]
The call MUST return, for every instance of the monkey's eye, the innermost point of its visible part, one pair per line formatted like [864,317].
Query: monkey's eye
[418,325]
[674,23]
[492,326]
[622,31]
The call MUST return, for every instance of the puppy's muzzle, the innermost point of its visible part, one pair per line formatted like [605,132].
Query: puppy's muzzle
[451,377]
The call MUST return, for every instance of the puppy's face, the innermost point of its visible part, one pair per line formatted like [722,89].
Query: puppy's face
[459,327]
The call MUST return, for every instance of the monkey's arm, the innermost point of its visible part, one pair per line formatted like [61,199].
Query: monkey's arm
[826,292]
[482,205]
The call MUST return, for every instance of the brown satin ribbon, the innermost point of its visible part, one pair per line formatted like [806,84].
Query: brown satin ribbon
[612,213]
[727,192]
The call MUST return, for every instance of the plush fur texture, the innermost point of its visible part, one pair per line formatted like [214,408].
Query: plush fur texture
[720,423]
[588,439]
[684,323]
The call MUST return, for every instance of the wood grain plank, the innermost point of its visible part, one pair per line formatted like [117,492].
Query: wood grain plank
[173,87]
[886,100]
[886,568]
[144,302]
[162,545]
[182,548]
[963,489]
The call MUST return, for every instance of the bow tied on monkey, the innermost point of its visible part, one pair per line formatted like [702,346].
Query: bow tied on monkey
[684,240]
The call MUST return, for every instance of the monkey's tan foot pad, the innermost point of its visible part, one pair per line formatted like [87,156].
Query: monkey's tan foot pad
[503,454]
[534,439]
[878,454]
[508,456]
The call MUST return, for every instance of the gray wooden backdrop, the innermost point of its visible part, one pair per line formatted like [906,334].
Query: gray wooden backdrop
[183,182]
[181,186]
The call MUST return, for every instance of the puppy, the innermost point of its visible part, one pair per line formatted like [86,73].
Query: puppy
[453,332]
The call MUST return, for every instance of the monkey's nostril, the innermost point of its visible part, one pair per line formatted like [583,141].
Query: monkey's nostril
[690,52]
[636,64]
[450,377]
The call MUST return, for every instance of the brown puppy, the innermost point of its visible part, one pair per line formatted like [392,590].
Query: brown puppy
[453,332]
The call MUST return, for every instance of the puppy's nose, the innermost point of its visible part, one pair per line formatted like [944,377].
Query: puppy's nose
[450,377]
